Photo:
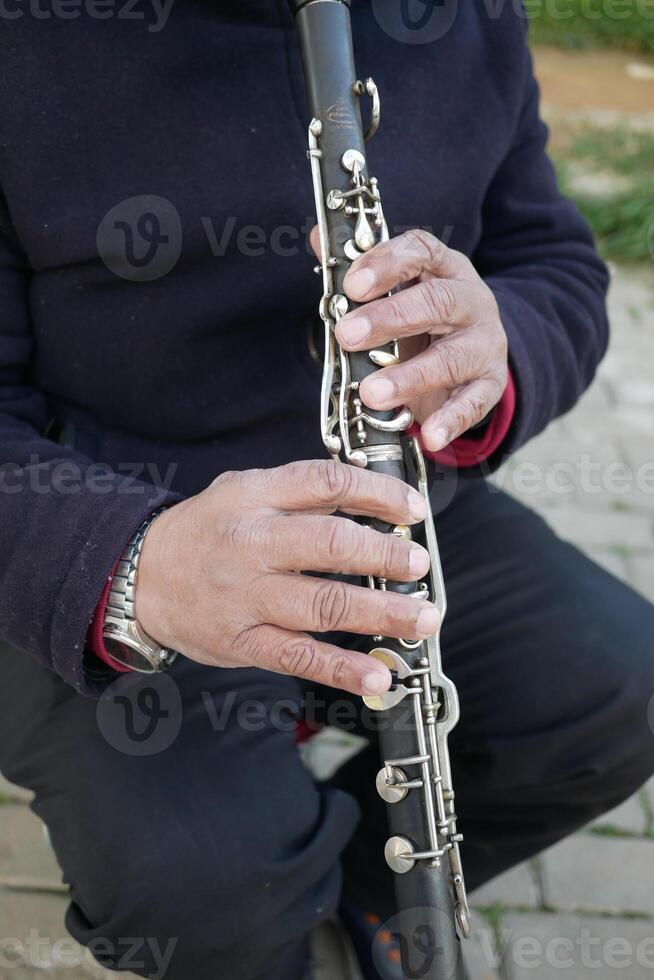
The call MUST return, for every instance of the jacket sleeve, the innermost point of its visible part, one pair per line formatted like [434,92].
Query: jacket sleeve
[537,255]
[63,519]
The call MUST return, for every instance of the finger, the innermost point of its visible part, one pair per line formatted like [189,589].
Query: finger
[300,655]
[402,259]
[426,307]
[304,543]
[329,485]
[299,602]
[464,408]
[445,364]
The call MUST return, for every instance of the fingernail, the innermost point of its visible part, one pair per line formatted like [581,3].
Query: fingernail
[435,440]
[379,390]
[360,282]
[418,561]
[377,682]
[417,506]
[428,621]
[355,330]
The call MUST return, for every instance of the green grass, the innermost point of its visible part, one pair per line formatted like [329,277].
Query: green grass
[607,830]
[648,807]
[578,24]
[623,221]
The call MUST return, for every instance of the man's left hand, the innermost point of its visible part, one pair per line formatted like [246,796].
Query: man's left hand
[453,346]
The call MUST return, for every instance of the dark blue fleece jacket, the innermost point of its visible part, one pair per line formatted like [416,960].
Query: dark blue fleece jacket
[155,281]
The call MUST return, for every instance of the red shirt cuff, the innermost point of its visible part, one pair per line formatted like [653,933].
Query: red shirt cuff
[95,640]
[465,451]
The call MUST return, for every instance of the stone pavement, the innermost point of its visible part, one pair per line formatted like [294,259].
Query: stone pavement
[585,908]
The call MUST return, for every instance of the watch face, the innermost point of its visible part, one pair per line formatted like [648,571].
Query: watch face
[129,645]
[123,653]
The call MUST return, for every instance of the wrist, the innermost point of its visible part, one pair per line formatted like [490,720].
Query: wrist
[125,639]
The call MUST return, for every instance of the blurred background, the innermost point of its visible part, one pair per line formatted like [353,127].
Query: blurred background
[591,474]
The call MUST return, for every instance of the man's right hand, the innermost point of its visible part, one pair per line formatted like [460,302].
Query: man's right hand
[218,576]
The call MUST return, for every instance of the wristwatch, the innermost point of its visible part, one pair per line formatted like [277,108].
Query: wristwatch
[124,638]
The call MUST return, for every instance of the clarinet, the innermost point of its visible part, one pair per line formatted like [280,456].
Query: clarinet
[415,779]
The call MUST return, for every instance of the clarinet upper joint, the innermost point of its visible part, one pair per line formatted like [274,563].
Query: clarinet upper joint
[344,421]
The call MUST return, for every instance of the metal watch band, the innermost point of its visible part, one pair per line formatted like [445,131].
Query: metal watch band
[120,611]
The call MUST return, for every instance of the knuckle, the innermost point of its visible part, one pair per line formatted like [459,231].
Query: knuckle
[399,615]
[478,406]
[336,478]
[421,242]
[455,360]
[299,657]
[398,315]
[245,535]
[420,378]
[243,484]
[247,645]
[395,554]
[466,412]
[233,534]
[440,300]
[226,481]
[333,540]
[331,606]
[337,671]
[292,473]
[227,477]
[271,542]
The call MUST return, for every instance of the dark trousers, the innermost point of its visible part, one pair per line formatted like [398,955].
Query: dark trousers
[180,810]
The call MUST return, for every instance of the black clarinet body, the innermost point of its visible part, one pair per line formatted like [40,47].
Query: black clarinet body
[415,779]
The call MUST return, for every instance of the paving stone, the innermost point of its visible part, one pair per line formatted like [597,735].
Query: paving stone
[618,530]
[15,794]
[595,873]
[628,386]
[614,563]
[641,574]
[598,397]
[648,792]
[479,951]
[630,816]
[516,887]
[631,286]
[34,939]
[635,430]
[24,850]
[555,947]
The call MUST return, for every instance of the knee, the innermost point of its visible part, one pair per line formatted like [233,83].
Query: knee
[226,905]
